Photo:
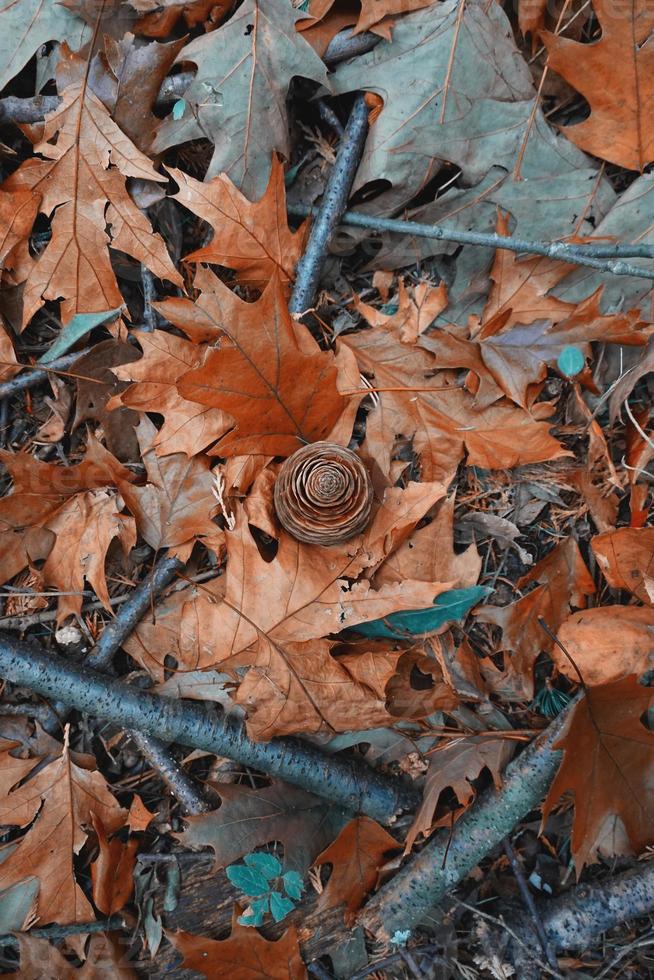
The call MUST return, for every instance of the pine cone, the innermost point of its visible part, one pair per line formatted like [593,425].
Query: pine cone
[323,494]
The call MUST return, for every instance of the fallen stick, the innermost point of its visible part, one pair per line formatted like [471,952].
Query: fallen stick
[607,258]
[35,375]
[339,779]
[446,860]
[333,204]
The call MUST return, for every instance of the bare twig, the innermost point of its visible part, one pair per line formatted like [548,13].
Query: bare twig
[183,788]
[35,375]
[56,931]
[427,876]
[342,780]
[528,899]
[331,208]
[606,258]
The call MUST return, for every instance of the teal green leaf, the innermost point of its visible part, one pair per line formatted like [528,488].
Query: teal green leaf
[248,880]
[448,607]
[280,906]
[79,326]
[267,864]
[178,108]
[293,885]
[570,361]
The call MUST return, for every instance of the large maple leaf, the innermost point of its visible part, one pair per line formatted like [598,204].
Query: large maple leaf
[614,74]
[253,238]
[269,373]
[55,806]
[81,180]
[238,96]
[607,764]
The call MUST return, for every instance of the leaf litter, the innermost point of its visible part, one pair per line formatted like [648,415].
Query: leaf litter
[500,402]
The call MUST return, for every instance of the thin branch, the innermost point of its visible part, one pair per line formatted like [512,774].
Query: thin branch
[183,788]
[426,878]
[35,375]
[342,780]
[528,899]
[56,931]
[331,208]
[607,258]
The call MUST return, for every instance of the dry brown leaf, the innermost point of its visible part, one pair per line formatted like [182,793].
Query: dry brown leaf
[454,765]
[251,237]
[607,765]
[246,955]
[55,806]
[112,872]
[94,394]
[105,960]
[356,857]
[254,375]
[87,160]
[614,74]
[564,582]
[177,503]
[606,644]
[372,12]
[84,527]
[188,427]
[626,558]
[18,210]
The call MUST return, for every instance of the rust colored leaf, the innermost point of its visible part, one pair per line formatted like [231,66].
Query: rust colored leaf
[614,74]
[188,427]
[563,582]
[17,213]
[626,558]
[356,857]
[455,765]
[112,872]
[607,765]
[86,161]
[250,818]
[246,955]
[55,806]
[606,643]
[372,12]
[176,504]
[253,238]
[254,375]
[84,527]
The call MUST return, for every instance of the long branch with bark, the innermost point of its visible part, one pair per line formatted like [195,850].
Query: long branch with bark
[339,779]
[605,258]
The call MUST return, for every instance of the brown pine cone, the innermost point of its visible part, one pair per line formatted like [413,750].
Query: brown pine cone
[323,494]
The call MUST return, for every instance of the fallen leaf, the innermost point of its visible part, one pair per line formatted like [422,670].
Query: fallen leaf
[104,960]
[254,375]
[238,96]
[27,24]
[53,807]
[606,644]
[78,186]
[250,818]
[253,238]
[626,558]
[613,74]
[18,211]
[607,766]
[96,384]
[246,955]
[112,872]
[356,857]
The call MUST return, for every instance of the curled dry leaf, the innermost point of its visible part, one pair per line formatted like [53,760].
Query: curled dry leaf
[323,494]
[607,764]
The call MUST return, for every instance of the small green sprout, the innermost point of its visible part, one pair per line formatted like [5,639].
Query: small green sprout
[271,889]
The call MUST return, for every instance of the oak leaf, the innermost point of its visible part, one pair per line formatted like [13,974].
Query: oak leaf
[18,211]
[356,857]
[253,238]
[245,955]
[614,74]
[81,177]
[372,12]
[104,960]
[626,558]
[254,375]
[112,872]
[606,644]
[176,504]
[55,805]
[27,24]
[607,765]
[188,427]
[238,96]
[85,525]
[251,818]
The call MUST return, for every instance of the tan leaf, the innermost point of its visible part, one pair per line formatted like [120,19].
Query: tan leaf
[112,872]
[246,955]
[606,643]
[626,558]
[356,857]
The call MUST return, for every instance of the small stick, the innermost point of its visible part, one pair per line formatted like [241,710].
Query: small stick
[181,786]
[56,931]
[36,375]
[589,255]
[528,899]
[332,206]
[342,780]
